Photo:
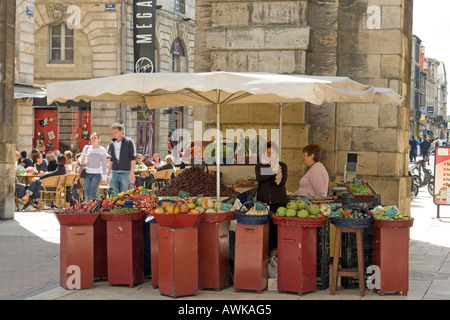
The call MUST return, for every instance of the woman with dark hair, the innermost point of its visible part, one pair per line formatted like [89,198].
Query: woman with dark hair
[315,181]
[39,164]
[271,175]
[32,194]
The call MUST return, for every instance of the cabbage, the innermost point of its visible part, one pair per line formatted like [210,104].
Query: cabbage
[302,213]
[291,213]
[292,205]
[301,205]
[313,209]
[281,211]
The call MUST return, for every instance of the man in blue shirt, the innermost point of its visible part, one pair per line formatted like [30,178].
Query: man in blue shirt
[121,167]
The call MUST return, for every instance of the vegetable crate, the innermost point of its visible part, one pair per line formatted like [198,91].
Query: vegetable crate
[372,202]
[349,258]
[323,256]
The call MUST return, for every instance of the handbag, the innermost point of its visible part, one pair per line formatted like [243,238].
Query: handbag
[81,168]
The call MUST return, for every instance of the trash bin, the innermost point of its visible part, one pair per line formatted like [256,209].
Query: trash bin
[178,261]
[297,253]
[125,247]
[213,253]
[154,252]
[76,250]
[391,254]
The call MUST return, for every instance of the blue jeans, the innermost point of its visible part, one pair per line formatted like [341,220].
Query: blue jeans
[119,180]
[91,183]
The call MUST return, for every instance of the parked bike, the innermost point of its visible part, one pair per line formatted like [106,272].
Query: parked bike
[424,176]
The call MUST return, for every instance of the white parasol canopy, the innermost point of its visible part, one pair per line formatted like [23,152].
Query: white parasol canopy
[165,90]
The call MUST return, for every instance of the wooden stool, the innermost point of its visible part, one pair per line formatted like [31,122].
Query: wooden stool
[359,271]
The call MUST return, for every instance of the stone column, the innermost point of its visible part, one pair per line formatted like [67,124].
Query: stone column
[7,148]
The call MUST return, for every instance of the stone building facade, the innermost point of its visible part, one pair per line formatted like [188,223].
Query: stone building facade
[84,39]
[366,40]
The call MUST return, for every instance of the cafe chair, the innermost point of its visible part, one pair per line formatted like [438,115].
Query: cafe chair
[177,172]
[160,178]
[52,189]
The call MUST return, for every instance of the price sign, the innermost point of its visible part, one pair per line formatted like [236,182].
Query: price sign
[144,191]
[260,206]
[358,182]
[183,194]
[114,193]
[442,176]
[225,207]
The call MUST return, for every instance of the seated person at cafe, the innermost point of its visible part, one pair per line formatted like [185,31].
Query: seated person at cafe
[169,164]
[315,181]
[156,160]
[52,163]
[140,162]
[147,161]
[26,162]
[32,194]
[39,163]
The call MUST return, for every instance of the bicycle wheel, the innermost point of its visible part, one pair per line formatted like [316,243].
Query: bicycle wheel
[414,191]
[416,180]
[431,187]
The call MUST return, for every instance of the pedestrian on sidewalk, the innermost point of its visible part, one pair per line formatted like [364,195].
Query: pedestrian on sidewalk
[123,160]
[93,158]
[425,146]
[413,148]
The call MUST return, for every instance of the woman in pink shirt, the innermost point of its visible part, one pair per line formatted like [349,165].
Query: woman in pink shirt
[315,180]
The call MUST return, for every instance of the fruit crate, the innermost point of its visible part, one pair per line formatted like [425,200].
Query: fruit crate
[349,256]
[347,198]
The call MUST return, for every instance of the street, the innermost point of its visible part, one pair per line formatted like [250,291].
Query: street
[29,268]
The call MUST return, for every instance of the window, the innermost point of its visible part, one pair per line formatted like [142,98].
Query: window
[61,44]
[180,6]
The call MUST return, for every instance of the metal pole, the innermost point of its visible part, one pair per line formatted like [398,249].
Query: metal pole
[281,130]
[217,147]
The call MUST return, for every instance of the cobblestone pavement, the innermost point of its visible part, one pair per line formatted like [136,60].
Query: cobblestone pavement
[29,264]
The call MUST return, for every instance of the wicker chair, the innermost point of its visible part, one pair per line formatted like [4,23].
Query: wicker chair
[50,195]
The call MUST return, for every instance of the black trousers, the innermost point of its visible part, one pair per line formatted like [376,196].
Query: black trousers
[273,228]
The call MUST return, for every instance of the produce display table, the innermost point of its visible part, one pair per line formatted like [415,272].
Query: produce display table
[251,257]
[125,248]
[213,254]
[390,253]
[297,253]
[359,271]
[178,261]
[154,253]
[76,250]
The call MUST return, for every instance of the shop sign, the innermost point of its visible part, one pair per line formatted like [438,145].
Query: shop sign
[144,25]
[177,48]
[110,7]
[430,110]
[30,12]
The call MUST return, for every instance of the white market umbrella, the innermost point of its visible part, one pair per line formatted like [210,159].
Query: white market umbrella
[165,90]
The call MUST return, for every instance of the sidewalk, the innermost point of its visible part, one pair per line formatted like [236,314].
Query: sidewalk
[29,265]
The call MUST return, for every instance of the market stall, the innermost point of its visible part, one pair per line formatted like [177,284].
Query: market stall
[159,90]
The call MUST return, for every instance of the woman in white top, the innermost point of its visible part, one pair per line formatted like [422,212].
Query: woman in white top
[93,158]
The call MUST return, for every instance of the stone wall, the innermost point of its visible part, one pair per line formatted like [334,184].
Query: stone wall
[7,148]
[366,40]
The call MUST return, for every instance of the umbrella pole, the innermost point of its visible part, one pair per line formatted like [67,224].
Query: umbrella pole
[218,154]
[281,130]
[218,147]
